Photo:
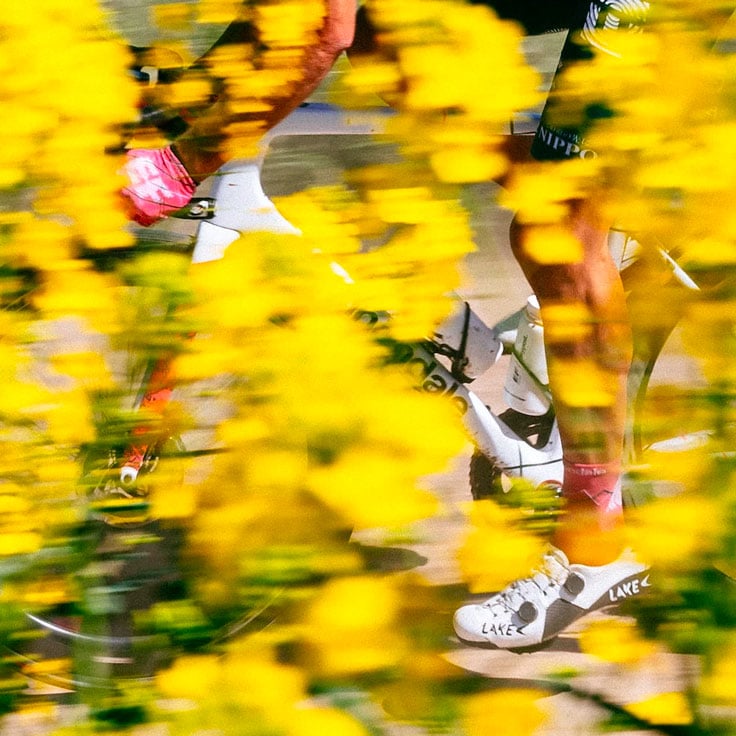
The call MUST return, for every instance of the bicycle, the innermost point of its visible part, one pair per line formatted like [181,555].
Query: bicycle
[129,558]
[513,443]
[520,441]
[523,441]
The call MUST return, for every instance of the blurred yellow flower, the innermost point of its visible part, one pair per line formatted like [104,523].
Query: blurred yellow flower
[173,16]
[324,217]
[217,11]
[551,244]
[371,490]
[566,322]
[79,291]
[290,22]
[20,398]
[670,708]
[513,712]
[468,164]
[616,641]
[88,369]
[320,721]
[539,193]
[69,418]
[718,681]
[409,204]
[351,627]
[495,550]
[190,677]
[671,532]
[582,383]
[20,542]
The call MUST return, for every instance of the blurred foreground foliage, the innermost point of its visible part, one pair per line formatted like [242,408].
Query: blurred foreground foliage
[260,616]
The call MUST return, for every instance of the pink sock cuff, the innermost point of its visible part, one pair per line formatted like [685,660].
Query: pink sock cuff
[599,482]
[591,470]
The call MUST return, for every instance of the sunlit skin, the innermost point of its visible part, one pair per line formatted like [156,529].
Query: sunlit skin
[593,282]
[593,434]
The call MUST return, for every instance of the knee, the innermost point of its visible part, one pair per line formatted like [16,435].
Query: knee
[339,30]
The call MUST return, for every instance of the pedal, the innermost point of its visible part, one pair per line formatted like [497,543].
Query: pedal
[199,208]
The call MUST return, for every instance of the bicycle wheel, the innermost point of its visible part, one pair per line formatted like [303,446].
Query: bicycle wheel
[135,610]
[126,602]
[486,472]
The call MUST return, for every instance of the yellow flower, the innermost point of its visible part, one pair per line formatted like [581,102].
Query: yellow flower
[616,641]
[21,398]
[670,708]
[468,164]
[351,627]
[173,16]
[410,204]
[190,677]
[552,244]
[669,532]
[495,551]
[718,682]
[88,369]
[539,193]
[218,11]
[69,418]
[171,496]
[78,291]
[19,542]
[290,22]
[513,712]
[583,384]
[382,493]
[566,322]
[319,721]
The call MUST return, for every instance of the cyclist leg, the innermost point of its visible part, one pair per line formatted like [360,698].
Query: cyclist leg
[199,147]
[158,390]
[587,563]
[591,431]
[163,180]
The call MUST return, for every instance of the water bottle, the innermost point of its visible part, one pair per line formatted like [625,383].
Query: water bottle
[527,377]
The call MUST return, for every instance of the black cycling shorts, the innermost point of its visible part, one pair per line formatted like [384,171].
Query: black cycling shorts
[583,19]
[539,16]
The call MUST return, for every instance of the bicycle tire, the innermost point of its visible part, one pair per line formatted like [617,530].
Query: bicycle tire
[134,569]
[485,477]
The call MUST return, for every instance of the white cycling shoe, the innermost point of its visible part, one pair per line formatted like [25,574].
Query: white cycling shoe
[536,609]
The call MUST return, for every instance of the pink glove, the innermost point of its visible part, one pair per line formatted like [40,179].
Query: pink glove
[159,184]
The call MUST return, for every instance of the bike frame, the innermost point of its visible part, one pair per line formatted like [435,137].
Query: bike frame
[461,349]
[238,204]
